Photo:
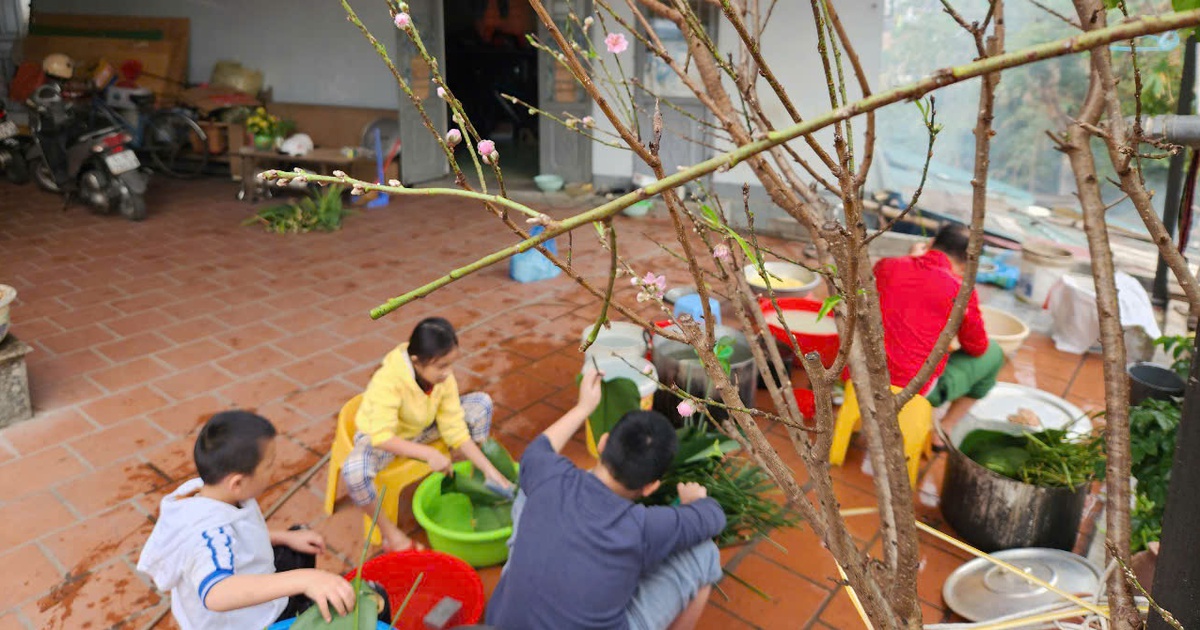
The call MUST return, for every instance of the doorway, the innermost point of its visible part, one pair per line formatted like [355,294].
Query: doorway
[488,57]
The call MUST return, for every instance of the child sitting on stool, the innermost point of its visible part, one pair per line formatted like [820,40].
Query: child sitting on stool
[211,547]
[585,555]
[412,401]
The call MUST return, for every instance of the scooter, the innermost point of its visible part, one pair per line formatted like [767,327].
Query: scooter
[13,147]
[104,171]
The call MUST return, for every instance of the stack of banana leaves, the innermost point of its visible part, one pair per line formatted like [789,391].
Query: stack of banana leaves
[751,501]
[469,504]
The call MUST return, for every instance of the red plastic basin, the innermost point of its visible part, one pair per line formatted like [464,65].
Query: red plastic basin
[445,576]
[824,345]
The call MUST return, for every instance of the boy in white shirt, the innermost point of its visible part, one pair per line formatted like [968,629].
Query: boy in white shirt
[211,547]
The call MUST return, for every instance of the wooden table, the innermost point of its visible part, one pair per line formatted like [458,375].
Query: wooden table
[323,161]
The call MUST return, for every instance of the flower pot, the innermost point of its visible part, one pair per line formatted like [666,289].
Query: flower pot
[7,295]
[1147,380]
[264,143]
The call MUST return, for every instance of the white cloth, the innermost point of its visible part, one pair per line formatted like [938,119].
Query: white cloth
[196,543]
[1072,305]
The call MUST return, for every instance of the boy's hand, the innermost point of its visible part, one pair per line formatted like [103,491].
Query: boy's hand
[303,540]
[328,590]
[589,391]
[691,492]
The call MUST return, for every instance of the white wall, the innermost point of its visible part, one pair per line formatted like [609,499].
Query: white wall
[789,45]
[306,49]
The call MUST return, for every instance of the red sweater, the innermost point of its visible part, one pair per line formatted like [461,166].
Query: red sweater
[916,294]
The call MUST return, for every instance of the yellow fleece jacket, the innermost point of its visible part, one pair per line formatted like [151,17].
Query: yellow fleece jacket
[395,406]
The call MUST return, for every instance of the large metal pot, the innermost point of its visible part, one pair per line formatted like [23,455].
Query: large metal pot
[677,364]
[993,512]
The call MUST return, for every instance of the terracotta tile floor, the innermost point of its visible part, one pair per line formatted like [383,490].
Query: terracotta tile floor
[142,330]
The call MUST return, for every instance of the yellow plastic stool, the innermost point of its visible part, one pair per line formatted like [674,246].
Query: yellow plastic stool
[390,481]
[916,424]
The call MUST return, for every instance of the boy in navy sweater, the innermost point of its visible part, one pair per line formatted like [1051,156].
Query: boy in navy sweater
[585,555]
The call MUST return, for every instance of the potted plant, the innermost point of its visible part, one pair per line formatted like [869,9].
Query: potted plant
[267,129]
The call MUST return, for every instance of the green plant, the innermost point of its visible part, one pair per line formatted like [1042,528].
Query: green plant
[1180,348]
[618,397]
[323,211]
[742,488]
[1049,459]
[367,606]
[467,503]
[1153,425]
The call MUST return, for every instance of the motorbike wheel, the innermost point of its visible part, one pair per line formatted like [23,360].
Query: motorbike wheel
[43,176]
[16,170]
[133,207]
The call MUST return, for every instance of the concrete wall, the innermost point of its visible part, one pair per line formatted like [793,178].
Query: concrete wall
[306,49]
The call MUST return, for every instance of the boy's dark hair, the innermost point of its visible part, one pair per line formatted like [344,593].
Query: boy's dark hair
[952,240]
[433,338]
[231,442]
[640,448]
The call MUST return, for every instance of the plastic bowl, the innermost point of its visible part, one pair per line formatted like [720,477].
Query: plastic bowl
[548,183]
[824,345]
[1005,329]
[287,623]
[786,279]
[479,549]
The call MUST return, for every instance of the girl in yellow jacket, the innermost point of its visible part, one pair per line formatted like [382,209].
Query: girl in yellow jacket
[412,401]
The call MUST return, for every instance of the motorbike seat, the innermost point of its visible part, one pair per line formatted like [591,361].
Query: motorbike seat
[96,134]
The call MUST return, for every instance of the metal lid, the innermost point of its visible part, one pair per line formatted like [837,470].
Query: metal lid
[980,590]
[1006,399]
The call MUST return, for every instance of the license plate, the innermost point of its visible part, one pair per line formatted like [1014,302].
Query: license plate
[122,162]
[8,129]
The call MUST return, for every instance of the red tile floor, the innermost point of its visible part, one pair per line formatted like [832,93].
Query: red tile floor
[142,330]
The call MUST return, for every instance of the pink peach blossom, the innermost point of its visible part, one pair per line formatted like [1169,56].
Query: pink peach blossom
[685,408]
[616,43]
[403,20]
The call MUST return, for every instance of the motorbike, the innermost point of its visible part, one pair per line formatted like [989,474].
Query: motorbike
[13,147]
[101,168]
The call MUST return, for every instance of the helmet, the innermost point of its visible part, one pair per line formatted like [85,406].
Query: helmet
[58,66]
[299,144]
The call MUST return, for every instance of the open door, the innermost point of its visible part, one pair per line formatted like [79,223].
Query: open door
[562,151]
[421,159]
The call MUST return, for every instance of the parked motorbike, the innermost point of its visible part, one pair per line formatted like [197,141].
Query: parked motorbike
[13,147]
[101,169]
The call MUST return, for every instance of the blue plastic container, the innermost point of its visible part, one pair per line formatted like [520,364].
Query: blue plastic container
[287,623]
[690,304]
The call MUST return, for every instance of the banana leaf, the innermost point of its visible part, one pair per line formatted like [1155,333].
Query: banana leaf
[363,617]
[500,458]
[492,518]
[617,398]
[475,487]
[453,511]
[980,441]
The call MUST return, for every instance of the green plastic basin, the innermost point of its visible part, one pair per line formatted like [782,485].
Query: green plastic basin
[478,549]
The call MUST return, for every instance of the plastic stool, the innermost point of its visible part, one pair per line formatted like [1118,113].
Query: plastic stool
[916,424]
[390,482]
[690,304]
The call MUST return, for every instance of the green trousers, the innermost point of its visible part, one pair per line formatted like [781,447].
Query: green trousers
[967,376]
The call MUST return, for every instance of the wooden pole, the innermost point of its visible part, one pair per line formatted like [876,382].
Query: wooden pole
[1177,576]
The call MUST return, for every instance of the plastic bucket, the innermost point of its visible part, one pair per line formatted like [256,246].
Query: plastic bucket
[1147,380]
[1041,266]
[620,339]
[479,549]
